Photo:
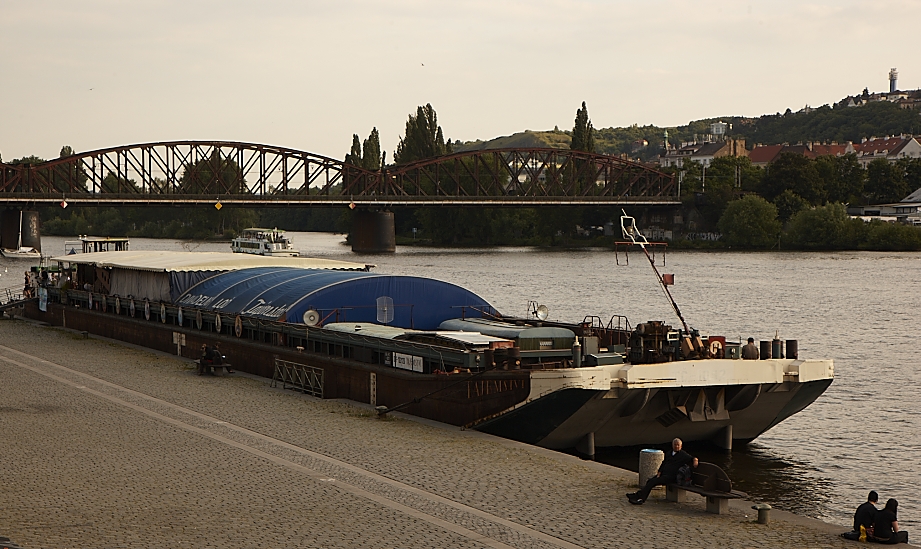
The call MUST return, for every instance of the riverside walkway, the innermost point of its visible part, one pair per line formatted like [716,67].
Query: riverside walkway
[107,445]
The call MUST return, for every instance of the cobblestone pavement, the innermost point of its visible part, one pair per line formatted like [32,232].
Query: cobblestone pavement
[107,445]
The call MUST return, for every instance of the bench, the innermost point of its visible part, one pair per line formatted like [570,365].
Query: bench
[709,481]
[224,368]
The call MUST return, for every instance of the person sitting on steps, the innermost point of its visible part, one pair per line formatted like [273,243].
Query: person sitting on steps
[667,474]
[886,527]
[866,514]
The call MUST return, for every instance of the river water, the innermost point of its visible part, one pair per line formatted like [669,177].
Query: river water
[860,308]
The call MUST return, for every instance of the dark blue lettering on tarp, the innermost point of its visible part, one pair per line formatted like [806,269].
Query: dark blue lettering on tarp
[343,296]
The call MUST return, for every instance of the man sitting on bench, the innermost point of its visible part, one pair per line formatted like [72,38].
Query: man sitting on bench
[217,358]
[668,472]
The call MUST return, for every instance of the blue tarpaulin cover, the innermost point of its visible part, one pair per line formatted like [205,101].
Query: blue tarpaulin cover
[279,293]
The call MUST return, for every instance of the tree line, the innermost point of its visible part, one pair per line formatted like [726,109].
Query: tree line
[799,202]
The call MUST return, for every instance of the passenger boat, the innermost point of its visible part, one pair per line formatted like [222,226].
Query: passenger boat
[438,351]
[263,242]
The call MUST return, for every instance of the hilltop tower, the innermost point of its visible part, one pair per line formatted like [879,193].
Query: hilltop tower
[893,80]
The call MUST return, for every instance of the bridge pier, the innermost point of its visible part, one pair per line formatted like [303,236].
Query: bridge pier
[373,232]
[12,221]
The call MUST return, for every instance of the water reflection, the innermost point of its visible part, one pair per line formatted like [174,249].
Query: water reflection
[755,469]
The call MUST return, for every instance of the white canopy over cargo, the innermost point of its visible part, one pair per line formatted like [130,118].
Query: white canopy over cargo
[165,275]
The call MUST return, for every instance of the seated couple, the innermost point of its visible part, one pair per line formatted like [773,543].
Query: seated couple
[880,525]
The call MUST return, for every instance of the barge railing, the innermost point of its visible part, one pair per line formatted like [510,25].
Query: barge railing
[301,377]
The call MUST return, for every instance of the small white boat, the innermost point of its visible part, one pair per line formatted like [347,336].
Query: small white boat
[271,242]
[23,252]
[20,251]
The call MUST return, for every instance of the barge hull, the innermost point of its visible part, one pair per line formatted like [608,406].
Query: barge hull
[458,399]
[561,420]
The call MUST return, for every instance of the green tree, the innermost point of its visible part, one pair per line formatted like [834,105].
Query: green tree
[789,204]
[581,172]
[886,182]
[371,157]
[824,228]
[722,183]
[911,167]
[214,174]
[115,185]
[750,222]
[843,177]
[583,134]
[354,156]
[893,237]
[423,137]
[691,177]
[794,172]
[64,175]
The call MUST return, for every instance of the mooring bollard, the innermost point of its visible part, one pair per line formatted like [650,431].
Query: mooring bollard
[764,512]
[650,460]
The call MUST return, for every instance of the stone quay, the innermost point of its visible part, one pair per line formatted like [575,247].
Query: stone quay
[110,445]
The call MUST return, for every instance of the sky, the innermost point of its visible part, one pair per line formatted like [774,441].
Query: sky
[308,74]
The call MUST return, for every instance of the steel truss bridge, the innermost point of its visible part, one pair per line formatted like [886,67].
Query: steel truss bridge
[246,174]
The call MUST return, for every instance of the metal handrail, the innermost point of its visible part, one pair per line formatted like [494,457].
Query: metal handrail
[304,378]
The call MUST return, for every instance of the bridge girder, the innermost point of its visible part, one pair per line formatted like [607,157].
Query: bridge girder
[235,173]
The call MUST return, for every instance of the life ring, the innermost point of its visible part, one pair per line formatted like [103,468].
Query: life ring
[179,316]
[131,308]
[146,310]
[163,313]
[238,326]
[217,322]
[716,348]
[118,305]
[198,319]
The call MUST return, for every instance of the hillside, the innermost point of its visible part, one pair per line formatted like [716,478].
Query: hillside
[556,139]
[839,123]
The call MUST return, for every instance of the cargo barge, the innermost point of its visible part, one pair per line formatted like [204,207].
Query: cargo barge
[438,351]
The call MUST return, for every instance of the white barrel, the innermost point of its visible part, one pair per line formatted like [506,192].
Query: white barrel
[650,460]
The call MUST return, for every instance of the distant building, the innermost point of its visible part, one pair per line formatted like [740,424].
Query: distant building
[890,148]
[913,197]
[762,155]
[905,99]
[907,211]
[899,212]
[702,152]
